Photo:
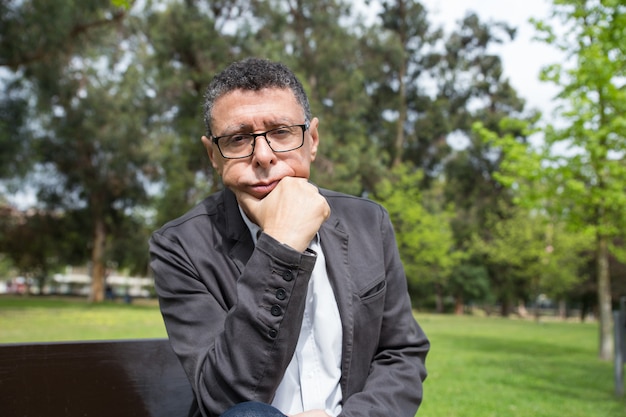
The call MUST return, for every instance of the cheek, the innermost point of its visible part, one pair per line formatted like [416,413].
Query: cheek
[224,172]
[218,166]
[301,166]
[231,172]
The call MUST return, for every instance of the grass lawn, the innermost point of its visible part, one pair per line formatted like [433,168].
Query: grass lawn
[46,319]
[494,367]
[478,367]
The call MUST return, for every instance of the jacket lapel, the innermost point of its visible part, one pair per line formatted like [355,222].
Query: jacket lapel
[334,241]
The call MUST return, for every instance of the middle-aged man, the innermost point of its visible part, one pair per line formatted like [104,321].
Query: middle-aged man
[281,298]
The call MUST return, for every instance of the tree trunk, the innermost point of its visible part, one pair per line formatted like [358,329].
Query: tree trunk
[505,307]
[399,141]
[97,260]
[604,298]
[438,299]
[563,309]
[403,35]
[458,306]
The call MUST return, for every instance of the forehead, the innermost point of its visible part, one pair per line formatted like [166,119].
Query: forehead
[254,108]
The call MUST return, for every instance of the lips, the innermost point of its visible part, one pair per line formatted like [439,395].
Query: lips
[261,190]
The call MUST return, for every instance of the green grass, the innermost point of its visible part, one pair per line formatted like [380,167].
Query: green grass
[478,366]
[494,367]
[43,319]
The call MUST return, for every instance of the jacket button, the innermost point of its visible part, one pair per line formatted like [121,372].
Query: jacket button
[281,293]
[287,275]
[273,333]
[276,310]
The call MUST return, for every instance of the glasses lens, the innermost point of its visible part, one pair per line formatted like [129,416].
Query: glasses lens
[285,138]
[236,146]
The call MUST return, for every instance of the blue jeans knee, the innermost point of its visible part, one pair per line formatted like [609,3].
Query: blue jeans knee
[252,409]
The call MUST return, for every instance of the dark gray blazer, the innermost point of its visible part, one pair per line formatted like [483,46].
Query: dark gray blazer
[228,319]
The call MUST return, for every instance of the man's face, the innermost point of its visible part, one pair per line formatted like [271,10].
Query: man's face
[243,111]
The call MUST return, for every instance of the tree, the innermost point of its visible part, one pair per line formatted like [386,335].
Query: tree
[87,102]
[36,38]
[14,157]
[469,283]
[590,177]
[532,255]
[471,87]
[321,42]
[407,41]
[178,69]
[39,243]
[423,234]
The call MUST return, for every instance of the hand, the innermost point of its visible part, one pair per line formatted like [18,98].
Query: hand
[311,413]
[292,213]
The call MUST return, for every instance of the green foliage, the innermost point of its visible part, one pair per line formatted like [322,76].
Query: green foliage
[329,59]
[424,236]
[122,3]
[533,254]
[6,266]
[470,283]
[467,73]
[178,67]
[38,243]
[590,178]
[15,160]
[521,165]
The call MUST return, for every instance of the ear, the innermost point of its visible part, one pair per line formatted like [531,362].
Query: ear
[315,139]
[210,150]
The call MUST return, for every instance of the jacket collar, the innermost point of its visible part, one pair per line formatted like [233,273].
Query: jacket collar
[239,241]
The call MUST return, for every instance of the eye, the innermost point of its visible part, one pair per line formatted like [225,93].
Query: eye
[237,140]
[281,132]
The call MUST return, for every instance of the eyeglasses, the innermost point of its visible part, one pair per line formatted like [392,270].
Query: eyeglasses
[281,139]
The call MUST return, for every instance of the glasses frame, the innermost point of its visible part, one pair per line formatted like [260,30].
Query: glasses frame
[305,126]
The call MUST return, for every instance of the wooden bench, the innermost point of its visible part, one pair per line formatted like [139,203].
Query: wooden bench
[112,378]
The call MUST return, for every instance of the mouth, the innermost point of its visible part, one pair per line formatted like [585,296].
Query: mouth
[261,190]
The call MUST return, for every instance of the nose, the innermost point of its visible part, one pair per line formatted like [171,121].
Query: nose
[263,155]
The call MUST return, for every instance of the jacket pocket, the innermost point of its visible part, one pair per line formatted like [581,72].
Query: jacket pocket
[373,291]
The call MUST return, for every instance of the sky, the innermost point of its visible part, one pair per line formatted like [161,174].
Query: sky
[522,58]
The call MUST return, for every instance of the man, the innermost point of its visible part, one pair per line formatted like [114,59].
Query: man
[280,298]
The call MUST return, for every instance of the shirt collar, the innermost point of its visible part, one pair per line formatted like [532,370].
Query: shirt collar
[255,230]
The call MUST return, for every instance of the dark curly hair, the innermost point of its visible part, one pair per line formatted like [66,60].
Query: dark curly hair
[253,74]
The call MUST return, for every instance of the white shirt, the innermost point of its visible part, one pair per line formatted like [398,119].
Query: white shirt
[311,380]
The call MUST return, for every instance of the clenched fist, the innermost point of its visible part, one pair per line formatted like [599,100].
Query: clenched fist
[292,213]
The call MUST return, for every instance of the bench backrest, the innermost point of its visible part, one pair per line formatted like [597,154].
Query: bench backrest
[141,378]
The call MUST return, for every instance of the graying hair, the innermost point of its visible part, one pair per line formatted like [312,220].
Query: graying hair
[253,74]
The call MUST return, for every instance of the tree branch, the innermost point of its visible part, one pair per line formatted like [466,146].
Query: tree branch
[44,51]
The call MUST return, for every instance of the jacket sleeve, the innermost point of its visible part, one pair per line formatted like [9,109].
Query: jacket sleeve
[233,335]
[390,381]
